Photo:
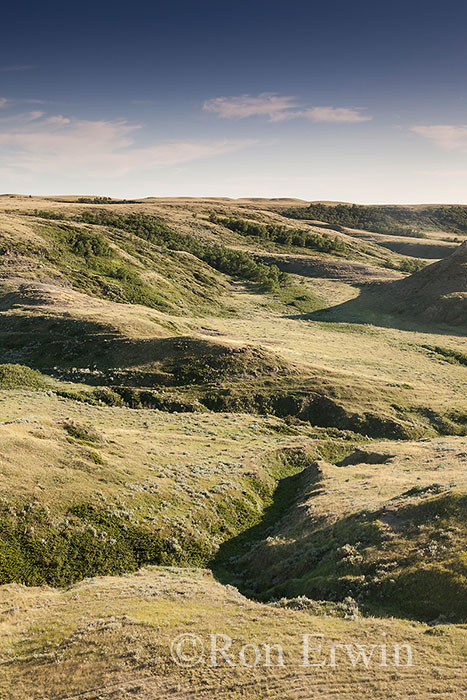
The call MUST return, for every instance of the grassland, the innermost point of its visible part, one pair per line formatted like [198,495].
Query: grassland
[111,637]
[208,384]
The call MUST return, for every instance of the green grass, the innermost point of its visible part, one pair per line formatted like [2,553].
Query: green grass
[233,262]
[81,433]
[126,281]
[96,539]
[121,490]
[287,237]
[13,376]
[454,357]
[401,555]
[95,268]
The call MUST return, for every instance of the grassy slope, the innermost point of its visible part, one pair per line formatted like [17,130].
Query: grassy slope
[128,270]
[91,489]
[110,637]
[386,525]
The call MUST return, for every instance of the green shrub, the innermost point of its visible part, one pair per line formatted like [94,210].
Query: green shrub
[454,357]
[21,377]
[386,219]
[281,234]
[411,265]
[81,433]
[232,262]
[378,219]
[108,397]
[86,244]
[95,200]
[93,542]
[104,200]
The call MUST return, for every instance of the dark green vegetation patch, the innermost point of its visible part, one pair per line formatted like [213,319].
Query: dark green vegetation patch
[14,376]
[289,237]
[399,221]
[121,280]
[453,356]
[97,539]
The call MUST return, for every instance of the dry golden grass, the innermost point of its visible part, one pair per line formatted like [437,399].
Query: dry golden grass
[111,637]
[179,455]
[389,357]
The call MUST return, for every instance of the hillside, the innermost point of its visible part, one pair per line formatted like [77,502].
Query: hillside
[110,638]
[374,525]
[387,219]
[438,292]
[227,388]
[434,296]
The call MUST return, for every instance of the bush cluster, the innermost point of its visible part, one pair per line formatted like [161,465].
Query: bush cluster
[386,219]
[86,244]
[375,219]
[283,235]
[232,262]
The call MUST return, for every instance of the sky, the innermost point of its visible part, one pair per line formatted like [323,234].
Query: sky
[347,101]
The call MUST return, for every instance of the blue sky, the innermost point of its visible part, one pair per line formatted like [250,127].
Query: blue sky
[354,101]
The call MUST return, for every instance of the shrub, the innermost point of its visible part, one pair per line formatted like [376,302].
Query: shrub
[378,219]
[86,244]
[20,377]
[222,259]
[411,265]
[386,219]
[282,235]
[81,433]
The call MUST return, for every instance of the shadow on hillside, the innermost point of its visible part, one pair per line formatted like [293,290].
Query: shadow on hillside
[293,564]
[45,342]
[49,340]
[282,500]
[370,309]
[307,561]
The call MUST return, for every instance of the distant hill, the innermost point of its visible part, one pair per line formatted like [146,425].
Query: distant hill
[386,219]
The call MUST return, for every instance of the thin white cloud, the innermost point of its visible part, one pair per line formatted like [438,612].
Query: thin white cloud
[30,116]
[448,136]
[266,104]
[11,69]
[279,108]
[58,120]
[338,115]
[21,119]
[58,144]
[4,101]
